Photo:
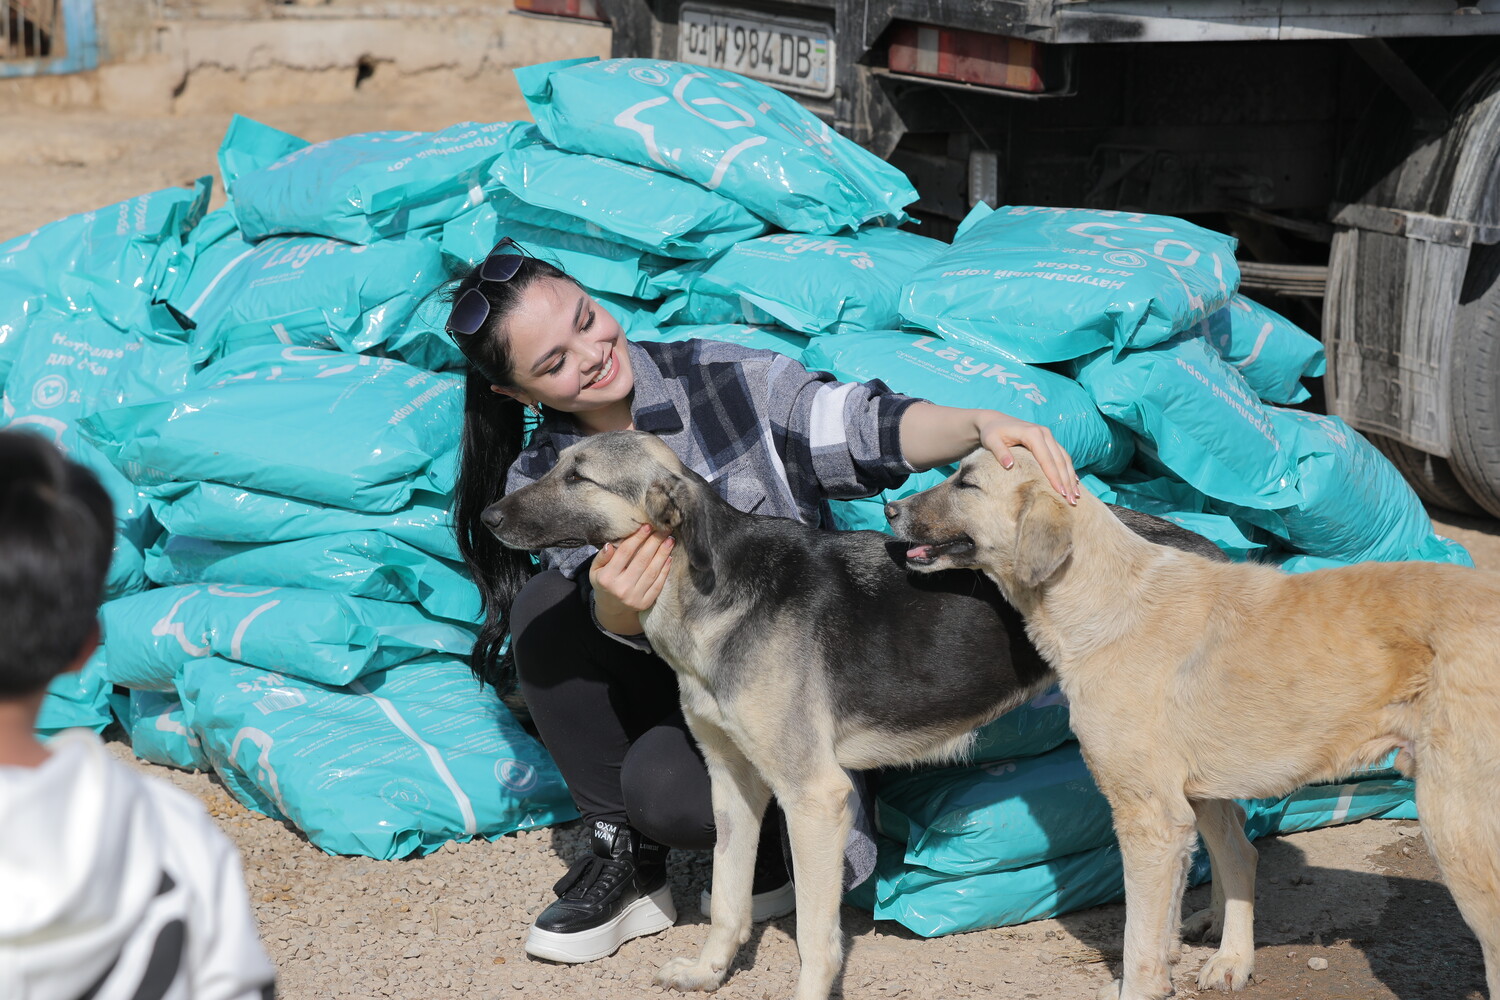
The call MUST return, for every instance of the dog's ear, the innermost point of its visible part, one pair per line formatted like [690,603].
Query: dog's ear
[673,503]
[1044,538]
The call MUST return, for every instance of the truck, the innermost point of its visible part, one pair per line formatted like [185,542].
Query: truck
[1351,146]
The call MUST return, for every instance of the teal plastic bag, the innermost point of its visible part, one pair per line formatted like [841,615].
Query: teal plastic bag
[225,513]
[77,700]
[313,634]
[339,429]
[304,291]
[597,264]
[743,139]
[392,766]
[110,261]
[1196,416]
[951,374]
[1355,505]
[73,363]
[367,187]
[633,315]
[1179,503]
[157,725]
[358,563]
[812,284]
[934,903]
[1025,731]
[1002,815]
[651,210]
[1053,284]
[70,364]
[766,338]
[1272,352]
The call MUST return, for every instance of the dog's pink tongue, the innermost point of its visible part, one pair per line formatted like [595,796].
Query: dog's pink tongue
[919,552]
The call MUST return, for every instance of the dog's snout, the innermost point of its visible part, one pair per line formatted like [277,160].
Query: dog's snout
[492,517]
[893,511]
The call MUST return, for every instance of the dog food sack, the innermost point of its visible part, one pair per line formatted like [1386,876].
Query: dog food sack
[1271,352]
[1053,284]
[394,765]
[225,513]
[159,734]
[991,817]
[110,261]
[1355,506]
[766,338]
[600,265]
[345,430]
[313,634]
[1195,415]
[951,374]
[368,187]
[79,700]
[652,210]
[811,284]
[73,363]
[1025,731]
[1179,503]
[747,141]
[933,903]
[358,563]
[304,291]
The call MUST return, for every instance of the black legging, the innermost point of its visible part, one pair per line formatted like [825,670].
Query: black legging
[611,719]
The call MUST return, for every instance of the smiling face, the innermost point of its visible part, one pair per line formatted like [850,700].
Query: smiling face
[568,353]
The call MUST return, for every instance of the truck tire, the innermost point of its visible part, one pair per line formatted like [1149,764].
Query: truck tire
[1430,476]
[1476,380]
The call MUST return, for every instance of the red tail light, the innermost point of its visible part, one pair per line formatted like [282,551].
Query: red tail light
[587,10]
[967,56]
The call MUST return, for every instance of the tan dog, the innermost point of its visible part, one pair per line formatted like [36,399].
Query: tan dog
[1194,682]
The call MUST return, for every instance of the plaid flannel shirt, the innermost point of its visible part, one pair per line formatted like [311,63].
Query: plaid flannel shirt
[771,437]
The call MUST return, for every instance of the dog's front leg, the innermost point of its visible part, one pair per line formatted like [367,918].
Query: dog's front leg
[1222,824]
[1156,838]
[739,801]
[818,818]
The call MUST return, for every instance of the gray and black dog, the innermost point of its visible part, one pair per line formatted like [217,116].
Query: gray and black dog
[799,653]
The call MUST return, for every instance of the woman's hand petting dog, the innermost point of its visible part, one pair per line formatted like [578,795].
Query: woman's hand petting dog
[1000,431]
[628,577]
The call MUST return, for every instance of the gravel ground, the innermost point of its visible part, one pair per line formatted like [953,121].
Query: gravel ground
[1364,898]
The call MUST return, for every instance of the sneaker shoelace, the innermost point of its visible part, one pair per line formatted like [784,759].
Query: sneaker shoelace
[593,878]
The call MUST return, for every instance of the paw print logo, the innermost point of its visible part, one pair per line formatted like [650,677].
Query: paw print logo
[49,391]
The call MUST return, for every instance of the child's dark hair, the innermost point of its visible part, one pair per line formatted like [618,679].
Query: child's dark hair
[57,529]
[494,429]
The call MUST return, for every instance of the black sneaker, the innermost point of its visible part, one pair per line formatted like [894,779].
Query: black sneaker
[772,893]
[616,893]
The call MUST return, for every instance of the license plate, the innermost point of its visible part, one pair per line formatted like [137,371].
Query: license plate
[786,52]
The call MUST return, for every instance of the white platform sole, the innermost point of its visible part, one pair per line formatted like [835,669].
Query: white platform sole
[763,905]
[646,915]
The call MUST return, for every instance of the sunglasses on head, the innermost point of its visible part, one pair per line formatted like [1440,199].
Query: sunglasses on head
[472,308]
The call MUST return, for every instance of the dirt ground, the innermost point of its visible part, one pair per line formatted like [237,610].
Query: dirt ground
[1364,897]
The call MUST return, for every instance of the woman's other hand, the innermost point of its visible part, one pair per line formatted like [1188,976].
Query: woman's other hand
[628,577]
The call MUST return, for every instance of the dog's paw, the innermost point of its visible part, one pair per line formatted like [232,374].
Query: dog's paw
[1226,972]
[689,974]
[1205,925]
[1110,992]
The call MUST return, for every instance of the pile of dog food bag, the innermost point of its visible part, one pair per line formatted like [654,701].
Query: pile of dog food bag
[267,393]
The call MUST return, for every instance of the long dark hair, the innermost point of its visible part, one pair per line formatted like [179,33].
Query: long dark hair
[493,435]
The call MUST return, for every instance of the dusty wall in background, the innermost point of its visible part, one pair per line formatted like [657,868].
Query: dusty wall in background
[166,57]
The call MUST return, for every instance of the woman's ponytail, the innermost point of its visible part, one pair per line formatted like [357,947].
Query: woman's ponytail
[492,438]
